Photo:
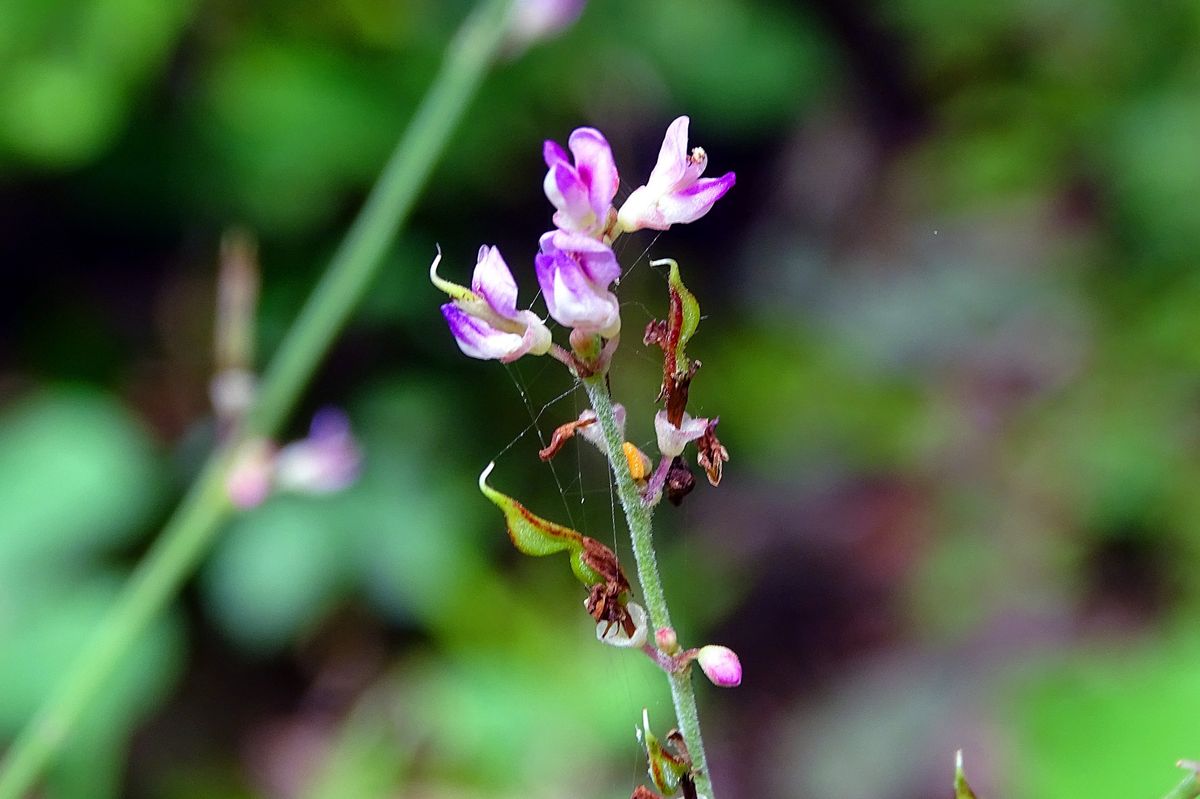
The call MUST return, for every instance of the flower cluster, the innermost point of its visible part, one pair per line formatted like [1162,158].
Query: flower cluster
[575,265]
[576,270]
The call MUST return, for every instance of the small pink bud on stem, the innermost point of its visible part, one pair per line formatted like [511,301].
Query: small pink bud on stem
[667,640]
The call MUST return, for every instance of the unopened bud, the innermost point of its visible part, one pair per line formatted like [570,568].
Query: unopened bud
[666,640]
[721,665]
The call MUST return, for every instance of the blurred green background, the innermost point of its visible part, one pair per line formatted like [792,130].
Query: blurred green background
[952,331]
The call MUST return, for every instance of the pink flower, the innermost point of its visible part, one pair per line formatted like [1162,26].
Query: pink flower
[575,272]
[484,318]
[582,192]
[720,664]
[672,439]
[328,460]
[675,192]
[325,461]
[535,20]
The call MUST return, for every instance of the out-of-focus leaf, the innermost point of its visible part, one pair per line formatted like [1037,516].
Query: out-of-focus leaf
[277,572]
[76,476]
[67,71]
[1134,706]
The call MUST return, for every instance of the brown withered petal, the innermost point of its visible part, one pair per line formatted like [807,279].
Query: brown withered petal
[712,454]
[680,481]
[562,434]
[604,601]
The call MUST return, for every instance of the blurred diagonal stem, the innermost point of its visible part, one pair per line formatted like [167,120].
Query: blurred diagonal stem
[1190,787]
[637,515]
[191,530]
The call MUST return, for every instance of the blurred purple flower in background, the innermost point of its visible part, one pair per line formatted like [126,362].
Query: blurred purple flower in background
[327,460]
[535,20]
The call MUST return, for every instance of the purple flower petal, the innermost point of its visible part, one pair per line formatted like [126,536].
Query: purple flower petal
[477,339]
[596,168]
[494,282]
[672,166]
[572,299]
[595,258]
[581,192]
[693,202]
[327,460]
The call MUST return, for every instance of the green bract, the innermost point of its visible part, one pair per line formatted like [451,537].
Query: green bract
[533,535]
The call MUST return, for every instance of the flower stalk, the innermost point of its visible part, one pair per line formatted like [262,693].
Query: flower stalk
[638,517]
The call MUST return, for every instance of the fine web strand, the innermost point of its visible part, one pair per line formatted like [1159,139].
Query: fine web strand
[535,424]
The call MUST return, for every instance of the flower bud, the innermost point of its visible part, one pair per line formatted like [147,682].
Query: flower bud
[721,665]
[666,640]
[536,20]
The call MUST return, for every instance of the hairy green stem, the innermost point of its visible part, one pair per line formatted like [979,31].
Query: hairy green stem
[192,528]
[637,515]
[1188,789]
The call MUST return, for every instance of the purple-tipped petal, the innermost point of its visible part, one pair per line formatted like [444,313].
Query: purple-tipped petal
[695,201]
[596,167]
[553,154]
[572,299]
[494,282]
[477,339]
